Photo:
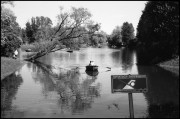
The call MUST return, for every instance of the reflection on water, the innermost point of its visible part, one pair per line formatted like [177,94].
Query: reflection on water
[76,93]
[58,86]
[163,95]
[9,88]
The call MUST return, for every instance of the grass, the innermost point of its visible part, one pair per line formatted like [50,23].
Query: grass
[171,65]
[9,65]
[173,62]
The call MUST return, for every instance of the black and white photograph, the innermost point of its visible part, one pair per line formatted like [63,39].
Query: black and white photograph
[89,59]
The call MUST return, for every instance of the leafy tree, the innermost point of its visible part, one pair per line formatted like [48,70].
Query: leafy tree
[34,26]
[39,29]
[103,37]
[45,30]
[23,36]
[86,27]
[10,31]
[115,39]
[43,22]
[29,33]
[95,40]
[91,27]
[93,37]
[7,2]
[158,32]
[127,32]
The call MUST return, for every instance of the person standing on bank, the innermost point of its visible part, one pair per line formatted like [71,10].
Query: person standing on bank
[15,54]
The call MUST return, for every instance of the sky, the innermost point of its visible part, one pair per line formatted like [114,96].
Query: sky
[109,13]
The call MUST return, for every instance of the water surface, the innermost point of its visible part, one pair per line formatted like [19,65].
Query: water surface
[60,87]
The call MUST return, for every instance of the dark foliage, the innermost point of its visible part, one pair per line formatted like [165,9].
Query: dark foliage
[127,32]
[158,32]
[115,39]
[122,36]
[10,31]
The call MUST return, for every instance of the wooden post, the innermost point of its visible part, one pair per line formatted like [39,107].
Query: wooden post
[131,109]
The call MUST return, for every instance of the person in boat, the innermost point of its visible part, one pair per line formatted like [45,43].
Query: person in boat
[91,63]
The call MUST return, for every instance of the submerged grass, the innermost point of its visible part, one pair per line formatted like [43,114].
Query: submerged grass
[9,65]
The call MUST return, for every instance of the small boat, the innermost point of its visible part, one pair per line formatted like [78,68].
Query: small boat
[92,68]
[70,51]
[92,73]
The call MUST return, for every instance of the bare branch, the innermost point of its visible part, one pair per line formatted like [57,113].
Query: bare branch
[66,30]
[80,35]
[76,26]
[60,26]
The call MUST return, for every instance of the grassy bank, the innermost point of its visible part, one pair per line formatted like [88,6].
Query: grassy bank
[9,65]
[171,65]
[38,46]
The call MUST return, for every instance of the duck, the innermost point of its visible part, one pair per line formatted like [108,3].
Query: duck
[109,68]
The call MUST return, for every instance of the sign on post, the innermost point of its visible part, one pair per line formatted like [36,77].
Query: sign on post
[129,83]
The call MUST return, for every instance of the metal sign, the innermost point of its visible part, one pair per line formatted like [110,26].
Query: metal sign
[129,83]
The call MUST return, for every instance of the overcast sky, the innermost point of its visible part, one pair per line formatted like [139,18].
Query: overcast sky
[108,13]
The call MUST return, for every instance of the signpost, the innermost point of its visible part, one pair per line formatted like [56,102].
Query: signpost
[129,84]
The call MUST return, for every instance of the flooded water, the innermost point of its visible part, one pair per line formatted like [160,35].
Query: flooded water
[58,86]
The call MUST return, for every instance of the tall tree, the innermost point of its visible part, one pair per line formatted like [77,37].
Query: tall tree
[115,39]
[29,33]
[44,29]
[127,32]
[10,31]
[158,32]
[24,36]
[39,29]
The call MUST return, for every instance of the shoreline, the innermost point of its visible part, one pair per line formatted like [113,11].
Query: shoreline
[9,66]
[174,70]
[171,65]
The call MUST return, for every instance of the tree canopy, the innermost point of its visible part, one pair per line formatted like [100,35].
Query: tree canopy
[121,35]
[127,32]
[39,29]
[115,39]
[10,31]
[158,32]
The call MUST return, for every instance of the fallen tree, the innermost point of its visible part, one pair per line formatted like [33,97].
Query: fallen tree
[69,28]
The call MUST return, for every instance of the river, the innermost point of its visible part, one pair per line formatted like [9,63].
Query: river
[60,87]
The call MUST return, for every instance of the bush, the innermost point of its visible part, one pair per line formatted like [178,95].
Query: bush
[12,43]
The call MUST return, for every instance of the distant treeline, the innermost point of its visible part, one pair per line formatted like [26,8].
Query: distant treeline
[73,30]
[122,36]
[40,30]
[157,37]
